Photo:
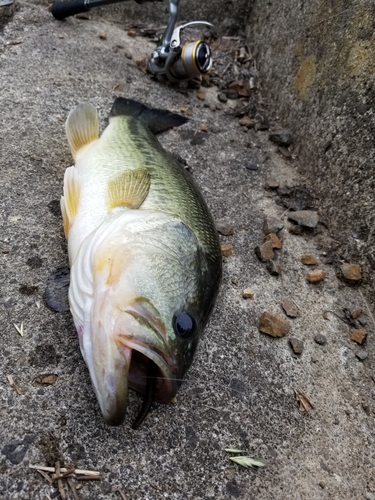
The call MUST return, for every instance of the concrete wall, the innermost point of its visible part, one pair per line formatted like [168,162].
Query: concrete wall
[317,67]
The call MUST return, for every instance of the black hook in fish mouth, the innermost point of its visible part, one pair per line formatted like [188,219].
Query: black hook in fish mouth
[148,396]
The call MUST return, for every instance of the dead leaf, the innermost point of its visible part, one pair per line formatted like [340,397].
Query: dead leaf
[305,404]
[46,379]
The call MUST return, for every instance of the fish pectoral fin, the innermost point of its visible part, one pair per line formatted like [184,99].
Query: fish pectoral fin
[128,189]
[82,127]
[70,201]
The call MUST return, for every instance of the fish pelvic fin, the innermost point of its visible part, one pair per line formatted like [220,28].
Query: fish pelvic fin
[156,120]
[129,189]
[70,201]
[82,127]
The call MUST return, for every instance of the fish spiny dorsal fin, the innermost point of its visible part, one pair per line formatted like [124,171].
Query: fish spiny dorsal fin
[157,120]
[82,127]
[128,189]
[70,201]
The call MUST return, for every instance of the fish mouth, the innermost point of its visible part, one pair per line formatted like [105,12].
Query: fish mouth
[138,357]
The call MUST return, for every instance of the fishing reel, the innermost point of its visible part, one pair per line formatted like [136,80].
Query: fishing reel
[179,61]
[175,60]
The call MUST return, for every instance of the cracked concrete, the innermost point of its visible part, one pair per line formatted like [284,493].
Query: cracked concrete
[240,389]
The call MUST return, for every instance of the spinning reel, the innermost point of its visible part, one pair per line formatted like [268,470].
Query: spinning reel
[173,59]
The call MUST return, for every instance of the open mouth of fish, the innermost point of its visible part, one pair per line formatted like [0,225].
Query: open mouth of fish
[139,358]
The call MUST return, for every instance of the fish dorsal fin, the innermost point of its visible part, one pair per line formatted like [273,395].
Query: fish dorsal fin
[128,189]
[156,120]
[82,127]
[70,200]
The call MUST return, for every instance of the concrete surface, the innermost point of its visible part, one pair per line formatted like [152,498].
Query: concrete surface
[316,61]
[240,389]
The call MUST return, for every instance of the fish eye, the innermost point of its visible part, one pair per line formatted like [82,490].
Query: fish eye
[183,325]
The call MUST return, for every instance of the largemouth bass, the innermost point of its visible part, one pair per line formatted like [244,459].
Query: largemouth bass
[144,255]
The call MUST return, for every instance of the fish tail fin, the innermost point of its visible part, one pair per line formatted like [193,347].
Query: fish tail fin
[156,120]
[82,127]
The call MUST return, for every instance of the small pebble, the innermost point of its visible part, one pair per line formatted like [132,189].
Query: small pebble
[316,276]
[297,345]
[361,355]
[273,324]
[281,138]
[362,321]
[276,243]
[273,268]
[351,272]
[251,165]
[359,336]
[264,252]
[322,484]
[290,308]
[355,313]
[308,260]
[248,293]
[128,55]
[224,228]
[102,36]
[272,225]
[320,339]
[284,190]
[271,183]
[232,94]
[295,229]
[305,218]
[222,97]
[314,359]
[246,121]
[201,96]
[226,249]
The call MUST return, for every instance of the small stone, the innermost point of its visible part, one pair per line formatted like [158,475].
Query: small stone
[246,121]
[290,308]
[264,252]
[276,243]
[251,165]
[248,293]
[361,355]
[222,97]
[272,225]
[308,260]
[232,94]
[305,218]
[102,36]
[295,229]
[316,276]
[314,359]
[263,122]
[128,55]
[284,190]
[322,484]
[281,138]
[297,345]
[226,249]
[359,336]
[351,272]
[320,339]
[273,268]
[224,228]
[273,324]
[132,33]
[355,313]
[201,96]
[362,321]
[271,183]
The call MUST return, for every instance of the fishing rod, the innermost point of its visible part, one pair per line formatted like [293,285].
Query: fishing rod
[172,58]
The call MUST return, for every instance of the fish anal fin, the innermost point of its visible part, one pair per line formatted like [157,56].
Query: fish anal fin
[82,127]
[70,200]
[129,189]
